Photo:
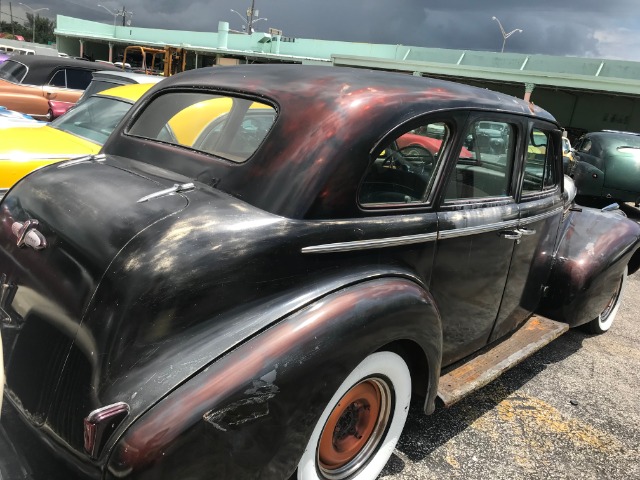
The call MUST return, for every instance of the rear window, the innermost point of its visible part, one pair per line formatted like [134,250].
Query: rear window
[227,127]
[12,71]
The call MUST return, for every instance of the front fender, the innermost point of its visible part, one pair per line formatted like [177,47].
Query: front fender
[250,414]
[594,248]
[588,179]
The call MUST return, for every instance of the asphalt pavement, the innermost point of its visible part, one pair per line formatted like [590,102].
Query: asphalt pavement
[571,411]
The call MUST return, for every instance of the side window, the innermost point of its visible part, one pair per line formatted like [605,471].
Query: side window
[78,79]
[403,170]
[539,171]
[585,146]
[59,79]
[484,162]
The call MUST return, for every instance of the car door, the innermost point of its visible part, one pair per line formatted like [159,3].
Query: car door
[478,218]
[540,211]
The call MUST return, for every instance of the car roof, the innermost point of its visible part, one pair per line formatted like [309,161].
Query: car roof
[289,83]
[131,92]
[126,77]
[329,121]
[41,66]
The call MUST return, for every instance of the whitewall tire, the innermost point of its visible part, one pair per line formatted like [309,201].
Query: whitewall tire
[603,322]
[359,428]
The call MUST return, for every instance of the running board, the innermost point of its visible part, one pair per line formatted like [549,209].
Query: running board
[494,361]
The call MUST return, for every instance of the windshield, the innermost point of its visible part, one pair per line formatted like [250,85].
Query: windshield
[13,71]
[94,120]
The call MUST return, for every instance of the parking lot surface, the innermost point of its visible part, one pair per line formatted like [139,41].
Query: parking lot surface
[570,411]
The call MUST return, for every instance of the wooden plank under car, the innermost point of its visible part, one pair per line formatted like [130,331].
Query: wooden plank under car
[491,363]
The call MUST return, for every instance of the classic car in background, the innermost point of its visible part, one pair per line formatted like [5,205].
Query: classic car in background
[9,118]
[568,157]
[263,297]
[82,131]
[28,82]
[608,166]
[102,80]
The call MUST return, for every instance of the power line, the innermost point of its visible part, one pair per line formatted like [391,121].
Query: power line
[14,17]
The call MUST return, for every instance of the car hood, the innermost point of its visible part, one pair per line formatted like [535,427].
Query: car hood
[38,141]
[86,212]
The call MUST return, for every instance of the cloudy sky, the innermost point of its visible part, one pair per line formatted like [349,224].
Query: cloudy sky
[593,28]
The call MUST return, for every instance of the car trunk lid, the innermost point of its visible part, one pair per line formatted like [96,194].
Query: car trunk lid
[622,168]
[41,310]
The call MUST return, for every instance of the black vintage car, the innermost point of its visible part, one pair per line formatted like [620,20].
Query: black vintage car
[254,278]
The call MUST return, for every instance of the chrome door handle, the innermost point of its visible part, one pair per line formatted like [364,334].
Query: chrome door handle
[525,231]
[511,235]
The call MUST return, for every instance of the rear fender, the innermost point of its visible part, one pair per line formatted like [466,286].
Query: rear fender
[250,413]
[593,250]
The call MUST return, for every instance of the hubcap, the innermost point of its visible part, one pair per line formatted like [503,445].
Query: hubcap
[354,429]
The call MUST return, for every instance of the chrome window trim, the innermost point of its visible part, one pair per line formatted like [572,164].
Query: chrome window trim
[541,216]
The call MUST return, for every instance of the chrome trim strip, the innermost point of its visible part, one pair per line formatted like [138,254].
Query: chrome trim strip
[542,216]
[462,232]
[425,237]
[177,188]
[101,157]
[367,244]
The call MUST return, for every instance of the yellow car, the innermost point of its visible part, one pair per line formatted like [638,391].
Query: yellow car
[81,131]
[189,124]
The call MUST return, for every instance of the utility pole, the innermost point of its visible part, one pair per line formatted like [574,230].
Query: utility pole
[13,28]
[124,16]
[250,17]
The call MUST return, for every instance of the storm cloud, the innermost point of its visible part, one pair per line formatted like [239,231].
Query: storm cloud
[589,28]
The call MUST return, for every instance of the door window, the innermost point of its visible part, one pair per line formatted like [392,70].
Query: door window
[59,79]
[78,79]
[539,171]
[403,170]
[484,162]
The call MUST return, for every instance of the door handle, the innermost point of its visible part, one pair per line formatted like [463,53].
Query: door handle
[511,235]
[525,231]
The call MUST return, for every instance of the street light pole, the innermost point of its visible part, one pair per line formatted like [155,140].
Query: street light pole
[115,15]
[504,34]
[250,20]
[33,12]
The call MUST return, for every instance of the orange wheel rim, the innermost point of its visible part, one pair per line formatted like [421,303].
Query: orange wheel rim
[354,427]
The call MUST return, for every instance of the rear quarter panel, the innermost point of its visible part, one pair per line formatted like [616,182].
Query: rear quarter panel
[249,414]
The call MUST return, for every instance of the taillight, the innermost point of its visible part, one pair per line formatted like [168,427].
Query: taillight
[100,424]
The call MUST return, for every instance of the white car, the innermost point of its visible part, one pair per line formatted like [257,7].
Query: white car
[10,118]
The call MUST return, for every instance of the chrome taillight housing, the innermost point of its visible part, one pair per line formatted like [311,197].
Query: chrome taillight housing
[100,424]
